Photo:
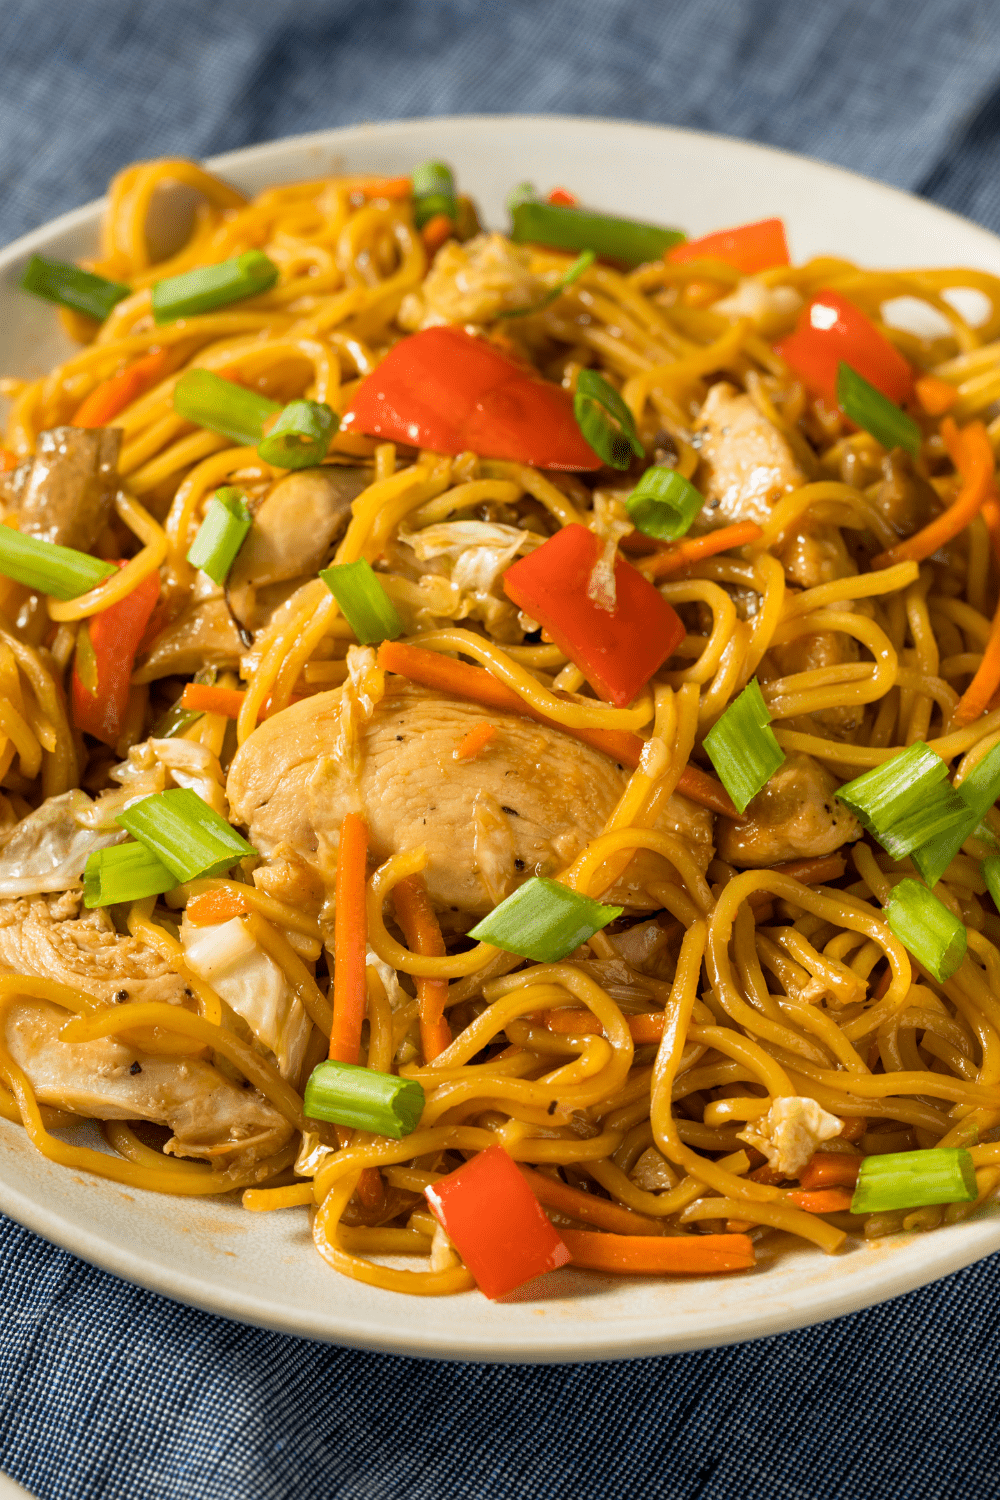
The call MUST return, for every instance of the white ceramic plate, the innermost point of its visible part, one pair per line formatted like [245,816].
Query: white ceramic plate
[263,1269]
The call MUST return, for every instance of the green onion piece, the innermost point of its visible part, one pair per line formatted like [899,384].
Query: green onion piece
[48,568]
[366,606]
[868,408]
[208,287]
[433,192]
[124,872]
[347,1094]
[567,228]
[58,281]
[301,435]
[582,263]
[221,534]
[990,871]
[222,406]
[926,927]
[605,420]
[913,1179]
[174,722]
[664,504]
[544,920]
[185,833]
[742,746]
[525,192]
[907,801]
[978,792]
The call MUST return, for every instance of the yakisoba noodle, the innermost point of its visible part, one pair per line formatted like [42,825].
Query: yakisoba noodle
[639,1078]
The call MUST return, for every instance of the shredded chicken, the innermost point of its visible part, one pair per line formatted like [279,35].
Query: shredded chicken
[790,1132]
[473,283]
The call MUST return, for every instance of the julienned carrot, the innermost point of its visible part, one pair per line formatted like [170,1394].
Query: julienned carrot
[827,1170]
[972,455]
[814,871]
[215,906]
[8,460]
[696,548]
[978,695]
[477,739]
[834,1200]
[991,515]
[673,1255]
[935,396]
[350,945]
[436,231]
[113,395]
[588,1207]
[700,787]
[423,935]
[204,699]
[646,1027]
[392,188]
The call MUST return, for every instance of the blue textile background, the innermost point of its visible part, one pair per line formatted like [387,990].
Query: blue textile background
[109,1391]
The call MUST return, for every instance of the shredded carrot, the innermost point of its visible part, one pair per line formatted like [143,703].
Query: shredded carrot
[828,1170]
[393,188]
[8,460]
[978,696]
[646,1027]
[935,396]
[112,396]
[972,455]
[350,940]
[833,1200]
[478,737]
[205,699]
[423,935]
[588,1207]
[702,788]
[436,231]
[991,515]
[814,871]
[688,1254]
[696,548]
[215,906]
[853,1128]
[739,1226]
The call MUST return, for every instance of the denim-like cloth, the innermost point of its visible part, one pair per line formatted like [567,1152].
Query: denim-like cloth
[107,1391]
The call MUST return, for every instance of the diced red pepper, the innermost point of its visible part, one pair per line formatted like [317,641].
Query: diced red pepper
[496,1223]
[617,651]
[749,247]
[444,390]
[562,197]
[831,329]
[114,638]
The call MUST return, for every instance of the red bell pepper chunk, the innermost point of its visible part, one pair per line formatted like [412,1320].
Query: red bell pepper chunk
[750,247]
[444,390]
[617,651]
[114,638]
[563,197]
[831,329]
[496,1223]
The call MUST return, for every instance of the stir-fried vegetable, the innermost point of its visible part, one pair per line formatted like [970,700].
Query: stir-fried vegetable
[82,291]
[60,571]
[749,247]
[208,287]
[831,331]
[221,535]
[742,747]
[185,834]
[923,923]
[909,1179]
[222,406]
[565,228]
[544,920]
[347,1094]
[106,647]
[367,607]
[301,435]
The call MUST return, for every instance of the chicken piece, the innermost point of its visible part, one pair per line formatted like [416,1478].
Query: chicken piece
[904,497]
[746,463]
[816,556]
[525,807]
[64,494]
[105,1080]
[772,309]
[790,1132]
[473,283]
[795,816]
[44,937]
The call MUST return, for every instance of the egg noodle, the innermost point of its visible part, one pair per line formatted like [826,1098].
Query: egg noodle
[764,986]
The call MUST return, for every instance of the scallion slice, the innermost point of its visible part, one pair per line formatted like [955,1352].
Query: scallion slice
[907,801]
[990,871]
[301,435]
[544,920]
[978,792]
[366,606]
[564,228]
[433,192]
[221,534]
[742,746]
[207,287]
[174,722]
[927,929]
[222,406]
[605,420]
[185,833]
[124,872]
[868,408]
[48,568]
[346,1094]
[582,263]
[58,281]
[914,1179]
[664,504]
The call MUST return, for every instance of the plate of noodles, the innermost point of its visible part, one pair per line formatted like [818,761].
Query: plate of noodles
[499,738]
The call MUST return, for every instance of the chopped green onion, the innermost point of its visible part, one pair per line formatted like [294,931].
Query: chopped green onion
[363,1098]
[366,606]
[742,746]
[582,263]
[990,871]
[174,722]
[433,192]
[605,420]
[926,927]
[567,228]
[48,568]
[525,192]
[222,406]
[221,534]
[58,281]
[208,287]
[907,801]
[664,504]
[185,833]
[914,1179]
[544,920]
[978,792]
[124,872]
[868,408]
[301,435]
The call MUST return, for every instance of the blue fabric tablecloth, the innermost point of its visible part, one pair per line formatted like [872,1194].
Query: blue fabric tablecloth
[107,1391]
